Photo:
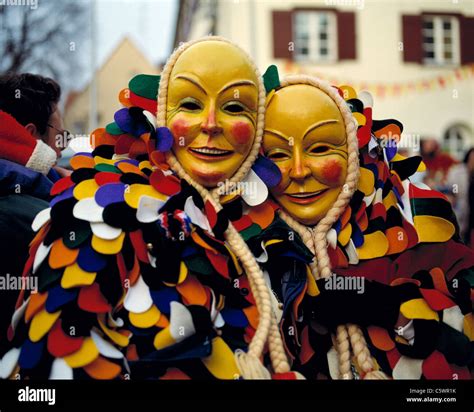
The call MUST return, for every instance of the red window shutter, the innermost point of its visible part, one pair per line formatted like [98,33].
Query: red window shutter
[283,34]
[466,28]
[346,35]
[412,39]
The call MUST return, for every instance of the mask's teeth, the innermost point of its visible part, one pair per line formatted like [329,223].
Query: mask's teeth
[205,150]
[304,195]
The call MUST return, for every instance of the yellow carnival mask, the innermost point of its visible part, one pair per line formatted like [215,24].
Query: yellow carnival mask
[305,137]
[212,110]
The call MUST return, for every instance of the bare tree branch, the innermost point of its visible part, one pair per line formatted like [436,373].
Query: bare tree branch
[39,40]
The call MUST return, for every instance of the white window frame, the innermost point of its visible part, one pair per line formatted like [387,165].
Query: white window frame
[438,46]
[314,42]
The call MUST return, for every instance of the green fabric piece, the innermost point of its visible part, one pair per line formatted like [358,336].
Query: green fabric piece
[432,207]
[77,234]
[251,231]
[104,167]
[199,265]
[113,129]
[47,276]
[469,277]
[271,80]
[145,85]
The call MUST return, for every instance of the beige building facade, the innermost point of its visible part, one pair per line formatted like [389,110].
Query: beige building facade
[124,62]
[414,56]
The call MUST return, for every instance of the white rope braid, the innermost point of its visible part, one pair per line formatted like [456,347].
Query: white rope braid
[248,363]
[315,238]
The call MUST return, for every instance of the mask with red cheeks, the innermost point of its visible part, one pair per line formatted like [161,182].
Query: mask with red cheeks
[305,137]
[331,171]
[212,110]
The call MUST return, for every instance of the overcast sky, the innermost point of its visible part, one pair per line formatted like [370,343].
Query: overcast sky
[149,23]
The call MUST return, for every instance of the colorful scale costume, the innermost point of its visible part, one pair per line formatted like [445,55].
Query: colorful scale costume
[136,279]
[392,232]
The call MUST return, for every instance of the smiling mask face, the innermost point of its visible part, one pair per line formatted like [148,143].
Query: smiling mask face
[305,137]
[212,110]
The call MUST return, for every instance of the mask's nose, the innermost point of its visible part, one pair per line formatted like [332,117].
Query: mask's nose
[210,126]
[299,170]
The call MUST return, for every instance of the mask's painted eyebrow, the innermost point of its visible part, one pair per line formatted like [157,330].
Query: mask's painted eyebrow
[310,128]
[277,134]
[191,80]
[237,83]
[319,124]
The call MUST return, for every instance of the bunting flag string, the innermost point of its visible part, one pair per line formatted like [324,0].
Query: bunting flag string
[393,89]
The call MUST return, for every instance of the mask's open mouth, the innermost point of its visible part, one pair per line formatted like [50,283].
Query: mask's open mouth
[210,153]
[306,197]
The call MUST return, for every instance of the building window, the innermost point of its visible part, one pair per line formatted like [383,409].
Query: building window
[441,40]
[315,34]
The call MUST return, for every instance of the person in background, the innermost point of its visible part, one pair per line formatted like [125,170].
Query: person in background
[437,164]
[29,123]
[460,182]
[33,101]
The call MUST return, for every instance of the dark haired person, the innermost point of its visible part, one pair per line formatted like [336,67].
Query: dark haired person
[29,123]
[33,101]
